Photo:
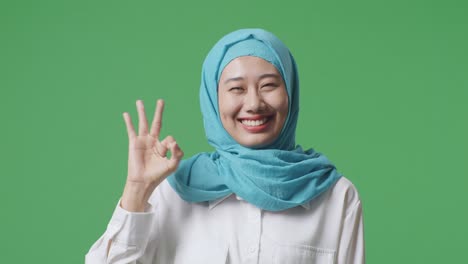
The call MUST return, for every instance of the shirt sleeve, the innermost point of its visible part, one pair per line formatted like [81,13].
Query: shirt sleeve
[351,249]
[127,235]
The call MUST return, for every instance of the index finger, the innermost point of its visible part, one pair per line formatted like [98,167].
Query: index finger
[157,119]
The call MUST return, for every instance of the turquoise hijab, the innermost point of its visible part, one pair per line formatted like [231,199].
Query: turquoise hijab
[276,177]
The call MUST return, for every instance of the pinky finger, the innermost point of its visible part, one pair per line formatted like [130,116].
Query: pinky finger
[128,122]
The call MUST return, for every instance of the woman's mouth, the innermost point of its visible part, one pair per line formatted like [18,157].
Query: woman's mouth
[255,125]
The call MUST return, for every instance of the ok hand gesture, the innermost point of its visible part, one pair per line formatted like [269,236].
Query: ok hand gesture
[148,165]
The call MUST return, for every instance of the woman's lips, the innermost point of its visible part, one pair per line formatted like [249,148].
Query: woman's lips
[255,124]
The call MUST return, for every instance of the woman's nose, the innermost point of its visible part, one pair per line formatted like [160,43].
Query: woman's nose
[253,101]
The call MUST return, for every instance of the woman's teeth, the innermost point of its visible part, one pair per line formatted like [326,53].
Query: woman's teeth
[254,122]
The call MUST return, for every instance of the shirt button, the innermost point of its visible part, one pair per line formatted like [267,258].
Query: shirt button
[252,249]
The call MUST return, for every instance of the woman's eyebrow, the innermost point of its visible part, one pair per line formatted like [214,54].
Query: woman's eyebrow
[233,79]
[266,75]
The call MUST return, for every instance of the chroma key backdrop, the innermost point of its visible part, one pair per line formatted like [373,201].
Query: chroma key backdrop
[384,91]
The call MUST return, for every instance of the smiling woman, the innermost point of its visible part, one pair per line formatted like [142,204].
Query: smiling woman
[253,102]
[258,198]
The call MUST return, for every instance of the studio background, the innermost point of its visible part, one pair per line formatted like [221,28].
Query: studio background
[383,96]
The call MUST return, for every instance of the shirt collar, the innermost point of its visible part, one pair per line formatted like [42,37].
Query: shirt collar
[212,204]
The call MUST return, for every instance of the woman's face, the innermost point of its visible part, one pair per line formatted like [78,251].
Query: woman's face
[253,102]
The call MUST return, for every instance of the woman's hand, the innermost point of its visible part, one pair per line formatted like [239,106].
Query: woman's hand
[148,165]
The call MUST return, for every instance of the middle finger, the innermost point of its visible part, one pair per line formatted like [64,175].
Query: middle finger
[157,120]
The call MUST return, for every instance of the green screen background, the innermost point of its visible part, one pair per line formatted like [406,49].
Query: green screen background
[383,95]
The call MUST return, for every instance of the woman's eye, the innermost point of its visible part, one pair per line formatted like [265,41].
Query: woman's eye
[270,85]
[236,89]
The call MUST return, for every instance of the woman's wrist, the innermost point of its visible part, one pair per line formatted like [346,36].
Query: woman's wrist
[136,195]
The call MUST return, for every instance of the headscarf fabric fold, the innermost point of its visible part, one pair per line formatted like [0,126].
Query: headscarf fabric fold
[275,177]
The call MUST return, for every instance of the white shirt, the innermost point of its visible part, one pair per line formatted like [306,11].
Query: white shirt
[329,229]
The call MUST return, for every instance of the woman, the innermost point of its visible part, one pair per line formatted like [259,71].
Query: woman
[259,198]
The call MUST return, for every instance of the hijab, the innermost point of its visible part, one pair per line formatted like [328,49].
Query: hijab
[275,177]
